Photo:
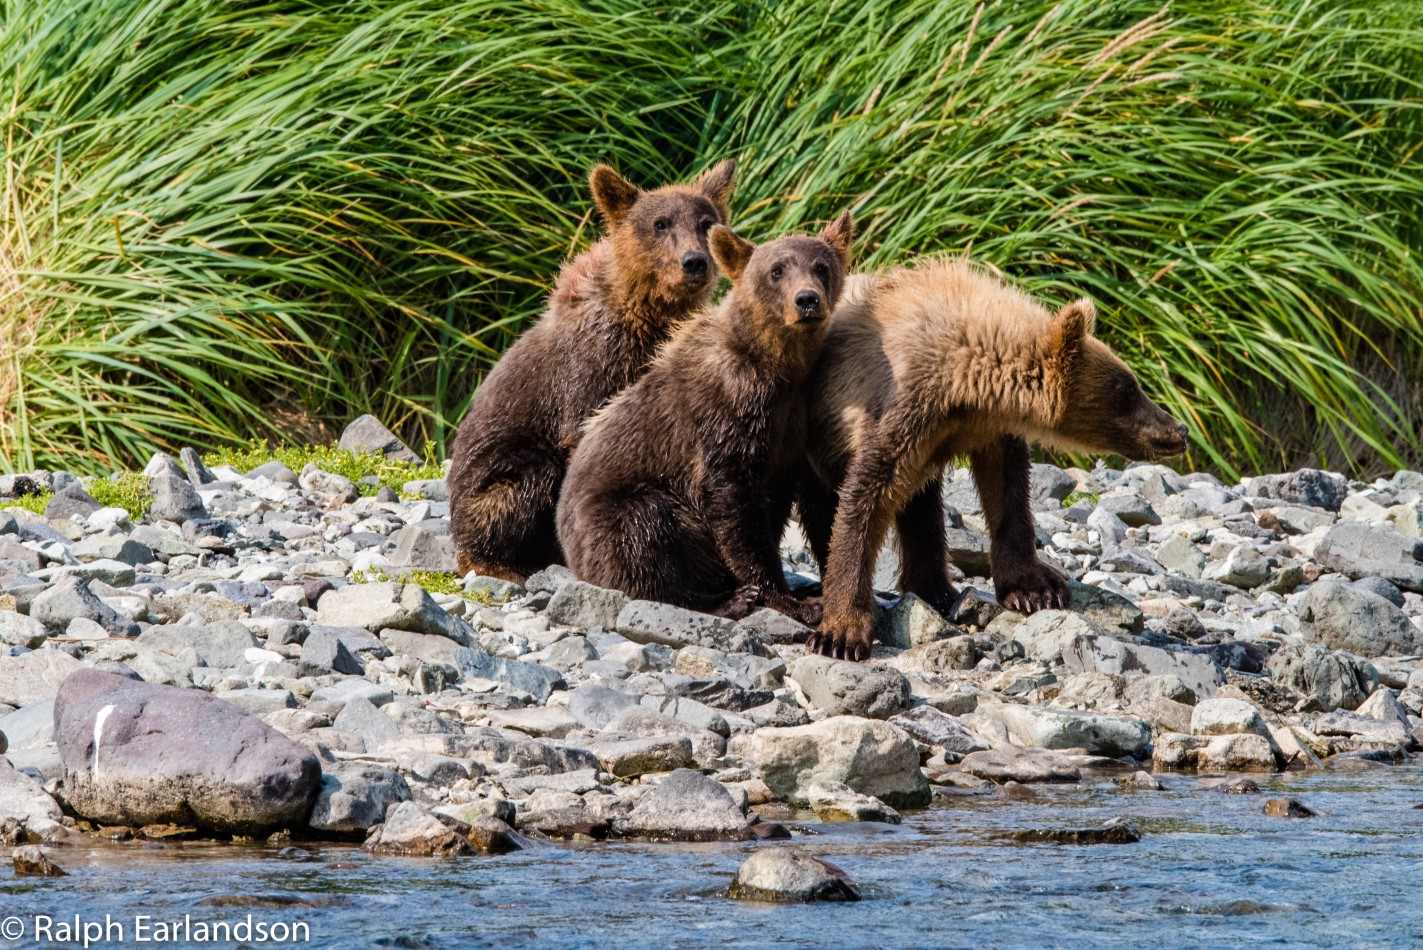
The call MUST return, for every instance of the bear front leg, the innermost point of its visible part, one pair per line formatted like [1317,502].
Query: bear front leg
[923,549]
[741,524]
[1002,472]
[861,521]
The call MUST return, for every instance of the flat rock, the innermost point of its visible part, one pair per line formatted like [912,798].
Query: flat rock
[932,727]
[870,756]
[1357,550]
[1243,752]
[688,806]
[377,606]
[577,604]
[70,598]
[35,676]
[1015,764]
[646,621]
[844,688]
[1115,831]
[537,681]
[788,874]
[411,831]
[137,754]
[223,644]
[1047,727]
[636,755]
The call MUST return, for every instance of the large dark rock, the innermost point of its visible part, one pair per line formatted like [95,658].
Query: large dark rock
[134,753]
[1348,617]
[1307,486]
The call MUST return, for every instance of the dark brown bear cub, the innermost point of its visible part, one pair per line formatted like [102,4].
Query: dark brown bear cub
[613,306]
[680,489]
[926,364]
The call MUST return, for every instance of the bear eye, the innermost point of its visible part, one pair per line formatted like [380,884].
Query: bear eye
[776,272]
[704,225]
[660,225]
[822,270]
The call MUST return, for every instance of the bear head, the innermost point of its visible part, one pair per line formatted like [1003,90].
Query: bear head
[1103,408]
[659,237]
[790,283]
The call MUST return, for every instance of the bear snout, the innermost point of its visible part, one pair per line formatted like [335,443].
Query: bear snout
[807,303]
[695,264]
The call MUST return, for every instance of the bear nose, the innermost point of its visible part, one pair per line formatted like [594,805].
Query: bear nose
[694,264]
[1181,428]
[807,300]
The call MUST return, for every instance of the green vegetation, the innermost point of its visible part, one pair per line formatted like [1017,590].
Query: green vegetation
[1074,497]
[127,490]
[257,220]
[35,503]
[436,582]
[356,466]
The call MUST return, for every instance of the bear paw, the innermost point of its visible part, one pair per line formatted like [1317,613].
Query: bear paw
[844,636]
[806,610]
[1035,587]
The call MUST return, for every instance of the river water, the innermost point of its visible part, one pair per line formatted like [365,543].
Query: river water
[1211,870]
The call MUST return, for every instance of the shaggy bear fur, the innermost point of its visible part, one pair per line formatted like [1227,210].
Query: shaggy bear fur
[681,488]
[610,310]
[926,364]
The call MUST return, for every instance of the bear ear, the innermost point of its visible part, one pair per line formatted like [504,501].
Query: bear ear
[1073,324]
[716,183]
[613,193]
[731,253]
[840,234]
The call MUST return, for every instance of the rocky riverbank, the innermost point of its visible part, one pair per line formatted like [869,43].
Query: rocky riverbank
[253,658]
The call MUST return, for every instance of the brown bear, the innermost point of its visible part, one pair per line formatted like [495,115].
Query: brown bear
[611,309]
[681,487]
[926,364]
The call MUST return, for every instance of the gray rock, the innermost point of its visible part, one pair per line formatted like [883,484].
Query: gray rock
[625,756]
[1387,732]
[365,434]
[362,719]
[774,626]
[30,727]
[136,754]
[569,654]
[1050,486]
[594,706]
[932,727]
[911,622]
[33,677]
[198,473]
[1105,608]
[790,875]
[1026,766]
[70,597]
[1243,567]
[21,631]
[688,806]
[1130,507]
[537,681]
[258,702]
[1382,588]
[1180,555]
[351,688]
[1046,727]
[355,798]
[24,800]
[1348,617]
[1358,550]
[577,604]
[411,831]
[645,621]
[844,688]
[1238,752]
[835,802]
[223,644]
[549,580]
[1307,486]
[870,756]
[275,471]
[174,499]
[72,501]
[1102,654]
[99,547]
[324,652]
[642,722]
[390,604]
[968,551]
[421,550]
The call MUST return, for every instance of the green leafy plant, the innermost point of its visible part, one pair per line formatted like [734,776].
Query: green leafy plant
[127,490]
[436,582]
[357,466]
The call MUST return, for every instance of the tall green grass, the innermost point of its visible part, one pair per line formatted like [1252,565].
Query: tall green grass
[253,219]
